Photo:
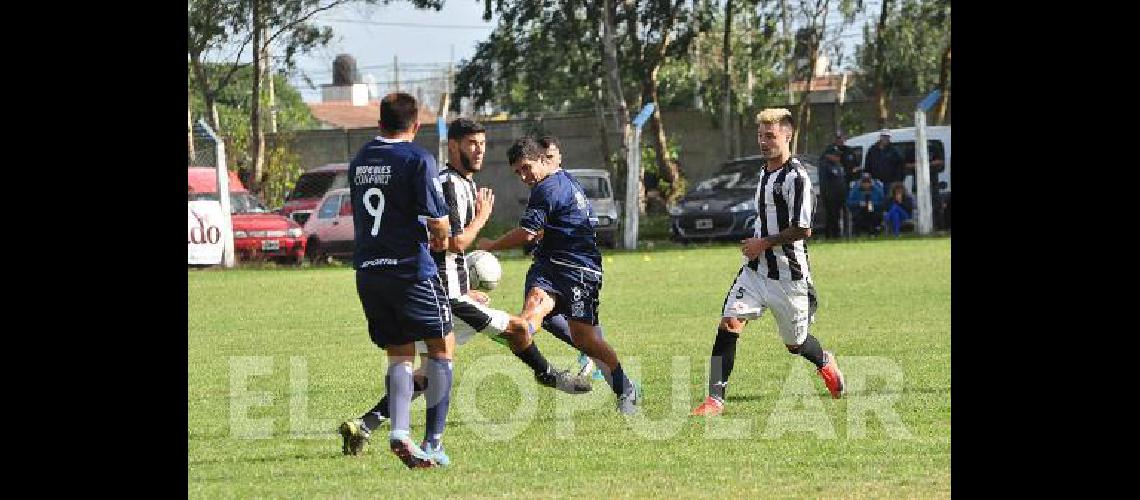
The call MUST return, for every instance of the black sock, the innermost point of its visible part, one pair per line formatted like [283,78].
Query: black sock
[720,364]
[379,413]
[812,351]
[534,359]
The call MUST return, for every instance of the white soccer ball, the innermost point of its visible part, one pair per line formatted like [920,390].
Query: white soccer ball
[484,270]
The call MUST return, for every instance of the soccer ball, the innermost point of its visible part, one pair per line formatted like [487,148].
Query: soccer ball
[484,270]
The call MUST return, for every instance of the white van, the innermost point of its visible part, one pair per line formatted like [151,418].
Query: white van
[938,137]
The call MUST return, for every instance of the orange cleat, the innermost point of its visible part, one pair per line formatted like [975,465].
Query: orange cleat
[832,377]
[710,408]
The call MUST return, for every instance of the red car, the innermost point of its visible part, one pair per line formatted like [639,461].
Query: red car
[258,233]
[311,187]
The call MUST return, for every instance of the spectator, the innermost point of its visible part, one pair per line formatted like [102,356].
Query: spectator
[833,184]
[884,162]
[937,164]
[901,208]
[866,204]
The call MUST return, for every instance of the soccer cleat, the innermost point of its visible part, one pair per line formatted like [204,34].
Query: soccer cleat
[410,454]
[627,403]
[832,377]
[563,381]
[586,366]
[354,435]
[437,455]
[710,408]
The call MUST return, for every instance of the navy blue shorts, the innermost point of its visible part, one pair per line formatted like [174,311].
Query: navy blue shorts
[402,312]
[576,292]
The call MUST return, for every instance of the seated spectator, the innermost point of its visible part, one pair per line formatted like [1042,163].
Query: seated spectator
[901,208]
[865,200]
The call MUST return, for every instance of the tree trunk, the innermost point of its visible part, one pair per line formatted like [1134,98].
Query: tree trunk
[189,130]
[667,166]
[726,108]
[943,85]
[880,90]
[256,134]
[207,92]
[786,26]
[804,113]
[613,78]
[599,110]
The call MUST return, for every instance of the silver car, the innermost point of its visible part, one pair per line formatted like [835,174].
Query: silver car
[596,183]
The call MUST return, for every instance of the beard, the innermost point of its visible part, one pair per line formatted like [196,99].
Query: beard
[468,163]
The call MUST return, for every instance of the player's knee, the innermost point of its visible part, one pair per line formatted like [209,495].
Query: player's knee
[731,325]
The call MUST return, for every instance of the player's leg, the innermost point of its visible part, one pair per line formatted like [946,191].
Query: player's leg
[438,368]
[791,308]
[558,326]
[376,416]
[741,303]
[399,387]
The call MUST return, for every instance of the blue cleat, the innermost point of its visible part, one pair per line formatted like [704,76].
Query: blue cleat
[586,365]
[437,455]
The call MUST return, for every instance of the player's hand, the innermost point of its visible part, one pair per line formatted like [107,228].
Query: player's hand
[437,244]
[484,202]
[753,247]
[479,297]
[483,244]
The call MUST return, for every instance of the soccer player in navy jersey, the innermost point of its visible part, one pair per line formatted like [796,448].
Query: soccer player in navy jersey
[397,206]
[566,275]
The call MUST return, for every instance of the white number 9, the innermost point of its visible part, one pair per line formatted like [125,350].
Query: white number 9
[376,211]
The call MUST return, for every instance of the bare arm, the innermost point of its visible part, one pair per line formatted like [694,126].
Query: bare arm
[753,247]
[438,230]
[484,202]
[514,238]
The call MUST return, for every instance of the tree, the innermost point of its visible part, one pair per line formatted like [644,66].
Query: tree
[542,57]
[908,53]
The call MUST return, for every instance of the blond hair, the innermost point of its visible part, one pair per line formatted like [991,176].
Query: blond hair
[775,115]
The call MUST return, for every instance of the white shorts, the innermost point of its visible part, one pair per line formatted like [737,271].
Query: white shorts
[751,293]
[470,317]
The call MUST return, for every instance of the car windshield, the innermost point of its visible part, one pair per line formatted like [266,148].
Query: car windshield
[240,202]
[596,187]
[740,175]
[312,185]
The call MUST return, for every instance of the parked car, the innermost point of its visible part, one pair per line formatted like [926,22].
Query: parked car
[258,233]
[329,231]
[599,190]
[311,187]
[723,207]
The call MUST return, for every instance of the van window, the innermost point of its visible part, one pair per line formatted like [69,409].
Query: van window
[936,150]
[596,187]
[313,185]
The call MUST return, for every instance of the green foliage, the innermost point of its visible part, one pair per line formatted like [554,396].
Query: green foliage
[914,37]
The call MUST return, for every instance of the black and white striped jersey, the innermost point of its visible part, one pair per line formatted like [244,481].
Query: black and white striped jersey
[783,199]
[460,195]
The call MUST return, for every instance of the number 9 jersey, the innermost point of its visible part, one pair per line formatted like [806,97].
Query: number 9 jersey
[394,187]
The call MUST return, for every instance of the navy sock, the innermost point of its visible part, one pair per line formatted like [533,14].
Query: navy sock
[558,326]
[720,364]
[534,359]
[439,374]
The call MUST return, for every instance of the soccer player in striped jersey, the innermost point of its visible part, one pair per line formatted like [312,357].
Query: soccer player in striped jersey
[775,272]
[469,208]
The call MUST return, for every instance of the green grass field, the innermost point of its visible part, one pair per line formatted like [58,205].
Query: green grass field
[287,350]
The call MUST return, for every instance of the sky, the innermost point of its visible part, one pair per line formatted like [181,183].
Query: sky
[417,37]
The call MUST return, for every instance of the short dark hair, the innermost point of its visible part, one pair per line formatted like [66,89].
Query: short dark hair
[525,148]
[549,140]
[463,127]
[399,112]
